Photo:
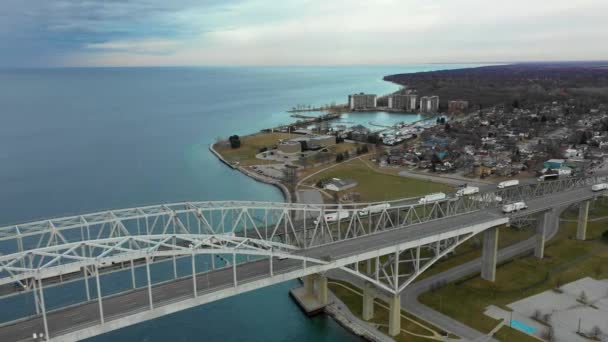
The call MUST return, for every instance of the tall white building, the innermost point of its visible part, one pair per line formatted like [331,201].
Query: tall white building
[429,104]
[362,101]
[403,102]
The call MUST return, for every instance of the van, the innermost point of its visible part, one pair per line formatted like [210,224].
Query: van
[432,198]
[373,209]
[335,216]
[469,190]
[512,207]
[508,184]
[599,187]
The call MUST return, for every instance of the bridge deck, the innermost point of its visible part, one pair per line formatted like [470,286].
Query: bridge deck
[84,315]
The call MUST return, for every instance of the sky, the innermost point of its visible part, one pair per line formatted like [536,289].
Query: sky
[43,33]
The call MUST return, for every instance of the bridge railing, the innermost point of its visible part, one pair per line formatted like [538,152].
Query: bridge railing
[300,225]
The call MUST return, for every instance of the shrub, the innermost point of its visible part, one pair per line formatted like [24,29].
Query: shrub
[235,141]
[605,236]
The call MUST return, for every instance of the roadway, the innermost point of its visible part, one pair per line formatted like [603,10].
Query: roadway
[87,314]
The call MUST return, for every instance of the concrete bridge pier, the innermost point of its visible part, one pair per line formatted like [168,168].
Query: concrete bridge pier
[489,254]
[368,302]
[312,297]
[394,318]
[541,230]
[583,214]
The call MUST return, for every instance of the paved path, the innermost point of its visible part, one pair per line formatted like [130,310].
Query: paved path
[409,299]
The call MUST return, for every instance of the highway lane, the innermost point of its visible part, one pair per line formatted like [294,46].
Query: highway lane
[409,298]
[88,313]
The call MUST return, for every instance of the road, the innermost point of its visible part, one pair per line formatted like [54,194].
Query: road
[87,314]
[409,299]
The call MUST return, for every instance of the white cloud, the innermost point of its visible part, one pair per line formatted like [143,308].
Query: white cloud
[371,32]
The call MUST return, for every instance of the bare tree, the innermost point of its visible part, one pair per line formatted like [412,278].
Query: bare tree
[548,334]
[596,332]
[583,297]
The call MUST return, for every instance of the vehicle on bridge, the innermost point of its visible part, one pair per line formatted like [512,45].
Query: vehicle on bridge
[548,177]
[512,207]
[335,216]
[599,187]
[508,184]
[373,209]
[469,190]
[432,198]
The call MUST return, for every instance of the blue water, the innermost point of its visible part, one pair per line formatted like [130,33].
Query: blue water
[519,325]
[82,140]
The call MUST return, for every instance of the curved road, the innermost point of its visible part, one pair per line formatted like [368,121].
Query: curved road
[409,298]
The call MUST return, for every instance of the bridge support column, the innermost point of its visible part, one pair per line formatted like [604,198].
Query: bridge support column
[368,302]
[309,284]
[541,230]
[312,297]
[583,214]
[322,289]
[394,318]
[489,254]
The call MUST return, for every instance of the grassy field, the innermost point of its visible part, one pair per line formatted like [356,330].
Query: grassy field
[471,249]
[565,260]
[354,302]
[376,186]
[250,146]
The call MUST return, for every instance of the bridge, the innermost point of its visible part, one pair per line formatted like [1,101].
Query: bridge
[116,268]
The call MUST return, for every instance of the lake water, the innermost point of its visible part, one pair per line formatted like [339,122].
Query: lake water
[82,140]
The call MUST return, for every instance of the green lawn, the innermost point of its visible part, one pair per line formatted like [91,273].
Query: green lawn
[354,302]
[250,146]
[377,186]
[565,260]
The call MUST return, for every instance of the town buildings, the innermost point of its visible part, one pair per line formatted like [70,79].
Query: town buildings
[402,102]
[362,101]
[458,106]
[429,104]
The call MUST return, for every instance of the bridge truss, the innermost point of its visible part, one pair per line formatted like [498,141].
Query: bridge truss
[49,252]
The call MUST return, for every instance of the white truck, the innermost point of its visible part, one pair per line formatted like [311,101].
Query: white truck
[512,207]
[599,187]
[373,209]
[432,198]
[508,184]
[335,216]
[469,190]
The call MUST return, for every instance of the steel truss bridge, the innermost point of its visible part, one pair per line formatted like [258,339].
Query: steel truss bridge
[126,266]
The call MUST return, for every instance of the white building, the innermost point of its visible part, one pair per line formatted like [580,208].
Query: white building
[337,184]
[403,102]
[362,101]
[429,104]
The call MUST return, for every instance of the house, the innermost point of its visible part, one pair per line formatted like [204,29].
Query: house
[337,184]
[554,163]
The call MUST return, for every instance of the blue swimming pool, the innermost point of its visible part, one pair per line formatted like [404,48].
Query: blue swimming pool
[519,325]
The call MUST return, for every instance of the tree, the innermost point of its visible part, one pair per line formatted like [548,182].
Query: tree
[605,236]
[339,158]
[596,331]
[235,141]
[548,334]
[583,297]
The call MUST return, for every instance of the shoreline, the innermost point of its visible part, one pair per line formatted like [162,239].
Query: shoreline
[337,310]
[286,193]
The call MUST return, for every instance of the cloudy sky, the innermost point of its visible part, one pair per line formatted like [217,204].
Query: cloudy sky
[298,32]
